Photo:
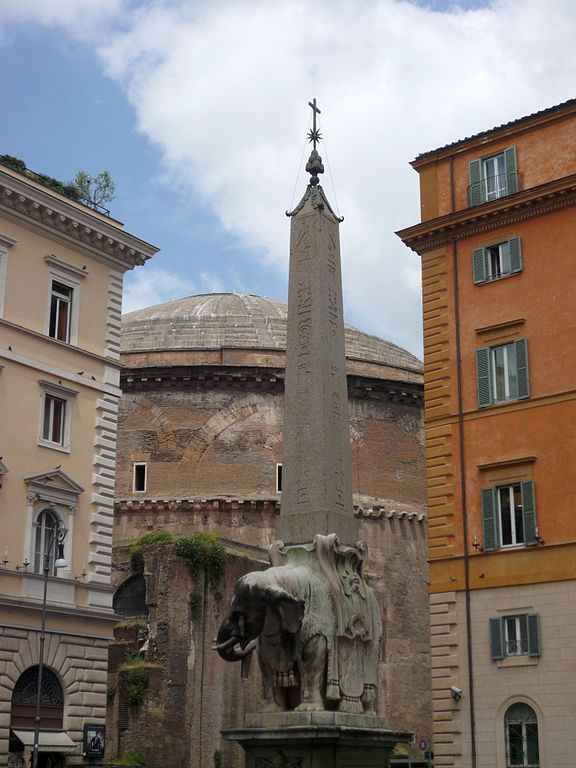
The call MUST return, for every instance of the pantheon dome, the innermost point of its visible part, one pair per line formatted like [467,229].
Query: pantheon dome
[234,328]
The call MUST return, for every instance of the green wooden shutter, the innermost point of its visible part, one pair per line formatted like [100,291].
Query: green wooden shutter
[533,623]
[476,193]
[489,519]
[497,638]
[479,265]
[483,377]
[529,512]
[521,346]
[511,170]
[515,254]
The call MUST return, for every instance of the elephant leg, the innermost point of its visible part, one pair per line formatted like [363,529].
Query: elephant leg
[313,674]
[275,698]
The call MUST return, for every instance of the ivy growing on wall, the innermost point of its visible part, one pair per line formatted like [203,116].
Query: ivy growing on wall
[201,551]
[138,547]
[136,669]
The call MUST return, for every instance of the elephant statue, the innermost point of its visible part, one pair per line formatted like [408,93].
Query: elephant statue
[315,625]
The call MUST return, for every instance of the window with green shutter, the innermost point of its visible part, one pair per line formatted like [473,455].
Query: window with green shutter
[496,261]
[493,177]
[517,635]
[502,373]
[509,515]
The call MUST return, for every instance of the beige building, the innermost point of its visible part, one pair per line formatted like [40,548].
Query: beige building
[61,271]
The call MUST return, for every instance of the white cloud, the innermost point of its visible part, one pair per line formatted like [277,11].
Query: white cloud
[151,285]
[221,88]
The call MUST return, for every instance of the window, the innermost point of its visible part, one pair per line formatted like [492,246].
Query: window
[5,244]
[56,416]
[493,177]
[60,311]
[509,515]
[54,419]
[502,373]
[515,636]
[496,261]
[521,725]
[44,543]
[139,478]
[278,478]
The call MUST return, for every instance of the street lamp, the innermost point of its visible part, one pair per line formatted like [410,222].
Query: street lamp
[57,538]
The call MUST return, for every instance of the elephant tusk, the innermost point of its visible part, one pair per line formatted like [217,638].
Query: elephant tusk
[249,648]
[226,644]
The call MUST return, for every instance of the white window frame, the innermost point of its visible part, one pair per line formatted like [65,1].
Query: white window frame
[139,464]
[520,624]
[70,276]
[536,722]
[508,373]
[5,243]
[501,186]
[58,300]
[510,489]
[503,253]
[50,390]
[40,530]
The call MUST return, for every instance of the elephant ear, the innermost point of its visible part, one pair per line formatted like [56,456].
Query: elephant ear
[290,608]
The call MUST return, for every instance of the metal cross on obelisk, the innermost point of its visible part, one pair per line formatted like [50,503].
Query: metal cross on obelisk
[314,135]
[317,470]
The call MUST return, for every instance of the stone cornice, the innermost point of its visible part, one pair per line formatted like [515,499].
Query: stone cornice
[370,510]
[260,378]
[499,213]
[91,231]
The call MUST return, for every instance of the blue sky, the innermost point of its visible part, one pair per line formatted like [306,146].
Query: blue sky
[198,110]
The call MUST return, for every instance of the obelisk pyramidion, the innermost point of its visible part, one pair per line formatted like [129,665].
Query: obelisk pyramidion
[317,468]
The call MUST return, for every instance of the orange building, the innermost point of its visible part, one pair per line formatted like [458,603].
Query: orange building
[499,274]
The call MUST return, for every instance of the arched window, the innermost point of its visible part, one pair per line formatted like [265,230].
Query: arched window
[521,725]
[24,701]
[44,544]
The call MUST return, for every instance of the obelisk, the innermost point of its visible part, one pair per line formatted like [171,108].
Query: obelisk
[317,468]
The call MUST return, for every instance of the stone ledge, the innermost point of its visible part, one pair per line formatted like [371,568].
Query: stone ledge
[294,719]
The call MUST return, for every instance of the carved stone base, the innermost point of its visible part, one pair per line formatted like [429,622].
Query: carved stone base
[316,740]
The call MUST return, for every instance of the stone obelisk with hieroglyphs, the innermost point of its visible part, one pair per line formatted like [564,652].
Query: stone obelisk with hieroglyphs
[317,469]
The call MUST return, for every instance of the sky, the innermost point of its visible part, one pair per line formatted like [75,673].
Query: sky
[199,111]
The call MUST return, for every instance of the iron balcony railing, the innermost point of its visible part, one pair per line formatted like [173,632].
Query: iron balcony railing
[493,187]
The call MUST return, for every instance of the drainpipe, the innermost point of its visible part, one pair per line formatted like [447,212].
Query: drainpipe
[463,482]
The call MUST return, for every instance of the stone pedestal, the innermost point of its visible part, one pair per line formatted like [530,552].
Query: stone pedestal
[316,740]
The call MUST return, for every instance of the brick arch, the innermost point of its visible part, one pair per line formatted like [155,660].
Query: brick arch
[220,422]
[156,417]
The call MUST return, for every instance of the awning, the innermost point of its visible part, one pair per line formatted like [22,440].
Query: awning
[48,741]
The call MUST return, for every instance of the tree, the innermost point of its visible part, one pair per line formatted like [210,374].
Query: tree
[95,190]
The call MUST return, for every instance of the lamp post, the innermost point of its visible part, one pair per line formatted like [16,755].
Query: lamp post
[57,538]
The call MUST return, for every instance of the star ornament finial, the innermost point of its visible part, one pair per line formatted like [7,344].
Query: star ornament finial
[314,136]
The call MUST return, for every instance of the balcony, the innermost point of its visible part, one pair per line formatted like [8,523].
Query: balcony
[493,187]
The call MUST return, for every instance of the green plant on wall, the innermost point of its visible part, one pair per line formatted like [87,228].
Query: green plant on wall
[136,670]
[110,690]
[203,552]
[195,603]
[138,547]
[218,759]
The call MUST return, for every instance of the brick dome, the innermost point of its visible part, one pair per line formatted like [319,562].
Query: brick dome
[236,321]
